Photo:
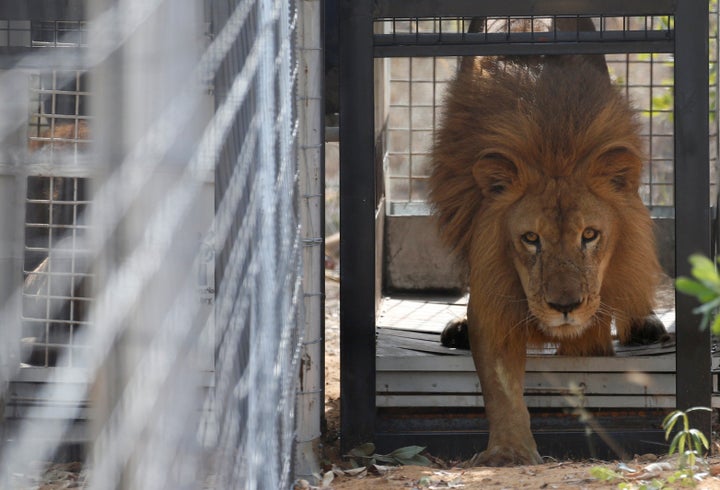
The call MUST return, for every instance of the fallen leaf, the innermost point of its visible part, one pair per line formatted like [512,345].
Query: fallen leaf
[660,466]
[379,469]
[361,471]
[327,479]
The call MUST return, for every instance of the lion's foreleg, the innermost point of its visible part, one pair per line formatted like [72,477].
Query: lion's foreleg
[500,364]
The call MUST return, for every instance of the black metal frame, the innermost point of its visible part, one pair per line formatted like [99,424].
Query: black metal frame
[48,10]
[359,195]
[42,11]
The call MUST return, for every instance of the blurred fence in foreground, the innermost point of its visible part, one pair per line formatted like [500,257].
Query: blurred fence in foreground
[152,253]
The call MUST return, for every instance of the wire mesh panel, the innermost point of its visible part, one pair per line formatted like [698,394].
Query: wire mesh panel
[258,252]
[60,115]
[57,290]
[15,33]
[416,86]
[59,34]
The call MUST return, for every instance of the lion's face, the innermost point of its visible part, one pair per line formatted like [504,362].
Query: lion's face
[536,168]
[562,237]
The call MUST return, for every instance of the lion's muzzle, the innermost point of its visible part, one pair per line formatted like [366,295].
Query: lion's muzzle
[565,306]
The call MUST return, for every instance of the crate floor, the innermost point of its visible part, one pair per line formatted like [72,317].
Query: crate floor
[413,369]
[411,326]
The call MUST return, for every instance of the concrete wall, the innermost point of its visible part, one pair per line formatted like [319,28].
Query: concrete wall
[416,260]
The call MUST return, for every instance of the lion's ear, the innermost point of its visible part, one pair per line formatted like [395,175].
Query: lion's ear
[619,167]
[494,174]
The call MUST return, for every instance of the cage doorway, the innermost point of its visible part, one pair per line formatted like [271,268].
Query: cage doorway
[397,385]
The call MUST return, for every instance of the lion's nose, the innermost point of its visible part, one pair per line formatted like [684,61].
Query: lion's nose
[565,307]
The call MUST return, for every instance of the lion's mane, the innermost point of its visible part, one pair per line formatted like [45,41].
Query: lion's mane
[553,117]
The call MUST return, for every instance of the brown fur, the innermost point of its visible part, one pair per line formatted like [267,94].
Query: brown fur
[548,146]
[63,135]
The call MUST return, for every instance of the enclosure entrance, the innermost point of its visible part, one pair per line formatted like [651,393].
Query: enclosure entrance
[409,375]
[424,393]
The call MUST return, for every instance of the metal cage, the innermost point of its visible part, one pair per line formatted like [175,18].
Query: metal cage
[394,59]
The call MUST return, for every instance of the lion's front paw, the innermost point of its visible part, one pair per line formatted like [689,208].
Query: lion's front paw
[647,330]
[506,456]
[455,334]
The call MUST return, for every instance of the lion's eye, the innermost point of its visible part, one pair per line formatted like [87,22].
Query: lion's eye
[531,238]
[589,235]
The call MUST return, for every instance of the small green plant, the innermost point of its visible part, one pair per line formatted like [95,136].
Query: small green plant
[705,286]
[688,442]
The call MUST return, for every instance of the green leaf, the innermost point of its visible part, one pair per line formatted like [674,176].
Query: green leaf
[700,439]
[708,306]
[703,269]
[677,444]
[385,459]
[695,409]
[417,460]
[407,452]
[681,438]
[715,327]
[656,484]
[362,451]
[409,455]
[604,474]
[695,288]
[704,322]
[670,420]
[702,264]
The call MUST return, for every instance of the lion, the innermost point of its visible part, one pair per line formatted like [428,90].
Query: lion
[535,170]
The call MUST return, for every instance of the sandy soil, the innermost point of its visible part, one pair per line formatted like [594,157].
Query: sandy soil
[562,475]
[553,474]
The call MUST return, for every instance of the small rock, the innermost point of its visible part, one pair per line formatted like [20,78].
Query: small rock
[301,485]
[646,458]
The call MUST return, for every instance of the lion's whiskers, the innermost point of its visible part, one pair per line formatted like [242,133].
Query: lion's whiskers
[526,321]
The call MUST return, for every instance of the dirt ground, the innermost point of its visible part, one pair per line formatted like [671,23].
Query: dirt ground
[562,475]
[643,472]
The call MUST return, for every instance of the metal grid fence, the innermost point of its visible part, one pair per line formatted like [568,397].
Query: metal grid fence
[59,116]
[56,291]
[416,89]
[158,306]
[46,34]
